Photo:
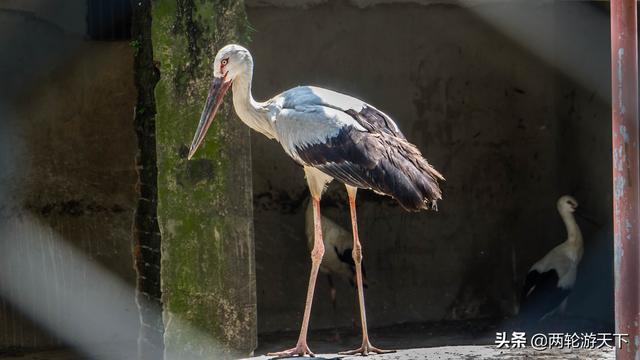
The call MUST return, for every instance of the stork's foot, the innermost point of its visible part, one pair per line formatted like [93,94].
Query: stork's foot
[366,349]
[300,350]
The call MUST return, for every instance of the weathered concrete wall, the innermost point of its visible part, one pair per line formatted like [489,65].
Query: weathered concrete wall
[584,151]
[205,208]
[67,169]
[486,112]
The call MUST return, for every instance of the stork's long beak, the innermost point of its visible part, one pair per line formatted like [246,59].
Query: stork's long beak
[218,88]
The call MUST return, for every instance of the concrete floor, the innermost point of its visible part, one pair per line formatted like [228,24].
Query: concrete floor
[439,341]
[476,352]
[461,352]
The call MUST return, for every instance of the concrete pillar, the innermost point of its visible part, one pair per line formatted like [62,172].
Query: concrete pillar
[204,205]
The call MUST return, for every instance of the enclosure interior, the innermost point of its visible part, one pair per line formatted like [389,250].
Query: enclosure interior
[510,101]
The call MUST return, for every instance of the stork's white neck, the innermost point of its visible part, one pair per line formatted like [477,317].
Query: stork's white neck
[573,231]
[251,112]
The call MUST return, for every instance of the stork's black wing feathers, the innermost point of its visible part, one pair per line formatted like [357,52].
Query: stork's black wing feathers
[541,294]
[375,121]
[379,161]
[346,257]
[531,280]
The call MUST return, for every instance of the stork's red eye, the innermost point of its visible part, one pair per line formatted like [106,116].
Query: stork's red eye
[224,62]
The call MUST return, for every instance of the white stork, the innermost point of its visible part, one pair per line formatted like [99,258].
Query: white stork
[332,136]
[550,280]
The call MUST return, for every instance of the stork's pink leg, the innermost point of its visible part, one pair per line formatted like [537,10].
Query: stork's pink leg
[366,346]
[302,348]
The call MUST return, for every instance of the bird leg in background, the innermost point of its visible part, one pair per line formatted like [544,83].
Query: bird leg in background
[332,291]
[302,348]
[366,347]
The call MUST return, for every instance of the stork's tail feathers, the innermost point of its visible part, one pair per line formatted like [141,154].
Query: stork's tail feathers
[413,181]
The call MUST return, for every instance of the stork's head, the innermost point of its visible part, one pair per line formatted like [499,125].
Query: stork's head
[567,204]
[230,62]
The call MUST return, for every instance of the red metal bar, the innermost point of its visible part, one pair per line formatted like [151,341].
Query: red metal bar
[626,200]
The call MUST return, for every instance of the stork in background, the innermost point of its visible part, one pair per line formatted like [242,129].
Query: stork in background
[337,261]
[551,279]
[332,136]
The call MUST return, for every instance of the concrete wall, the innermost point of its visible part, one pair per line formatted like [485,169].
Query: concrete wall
[204,204]
[67,174]
[584,151]
[486,111]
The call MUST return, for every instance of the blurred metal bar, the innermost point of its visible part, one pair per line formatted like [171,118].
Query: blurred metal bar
[624,108]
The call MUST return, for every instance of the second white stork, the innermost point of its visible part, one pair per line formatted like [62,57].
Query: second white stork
[551,279]
[332,136]
[338,243]
[337,260]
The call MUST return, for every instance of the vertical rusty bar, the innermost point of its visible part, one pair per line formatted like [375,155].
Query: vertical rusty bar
[624,106]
